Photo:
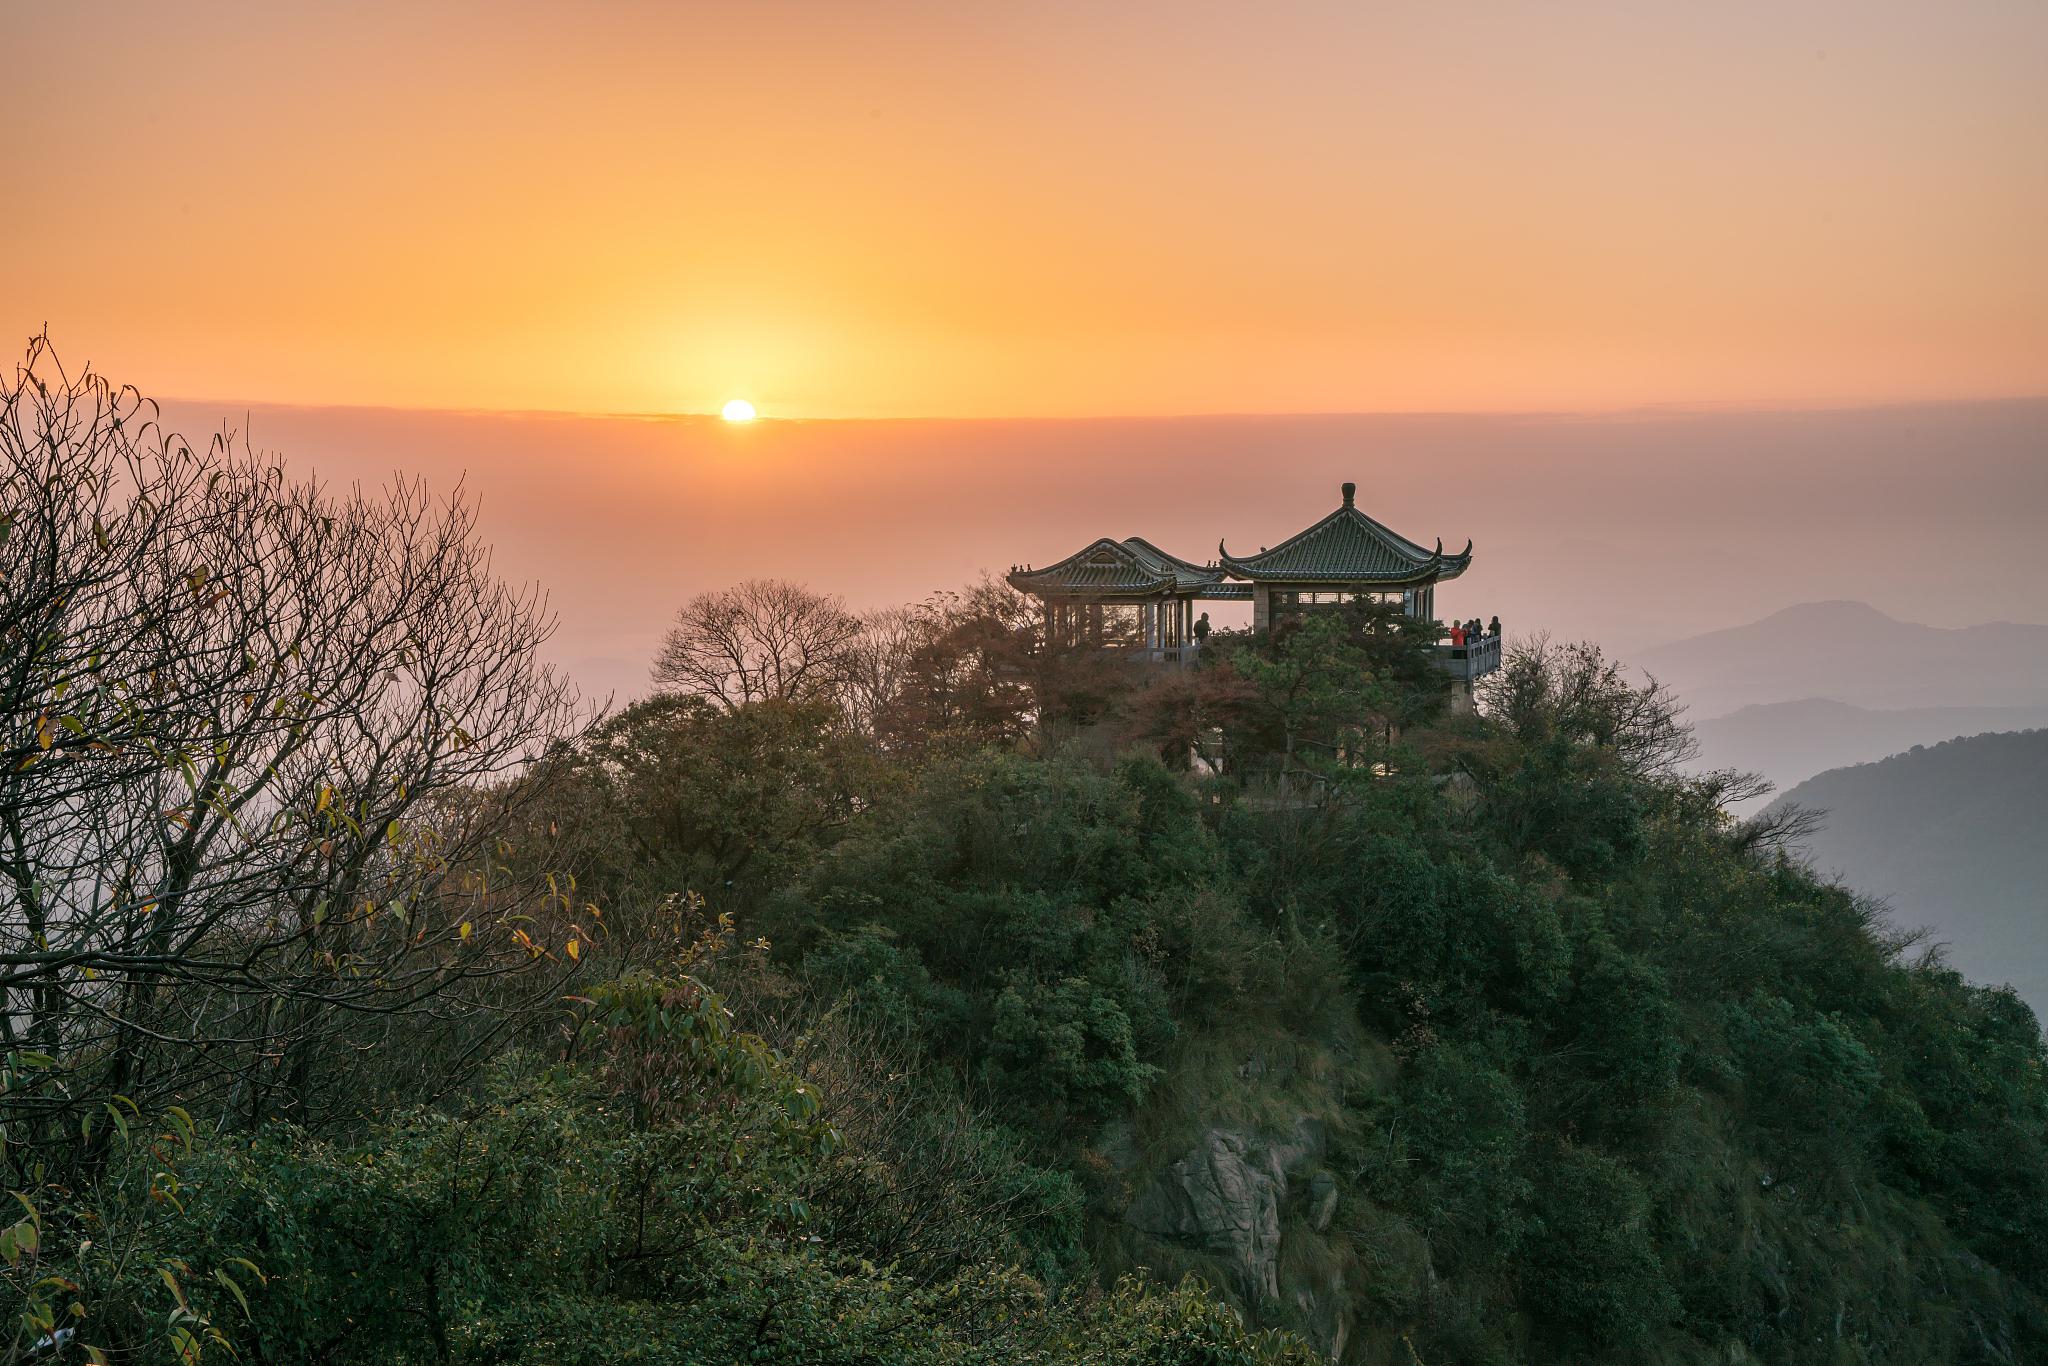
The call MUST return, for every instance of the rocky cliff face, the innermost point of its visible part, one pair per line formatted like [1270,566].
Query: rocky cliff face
[1227,1196]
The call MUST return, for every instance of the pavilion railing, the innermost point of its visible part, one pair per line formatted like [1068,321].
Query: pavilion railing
[1155,654]
[1470,660]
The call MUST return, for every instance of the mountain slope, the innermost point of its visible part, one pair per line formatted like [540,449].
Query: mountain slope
[1955,836]
[1789,742]
[1852,652]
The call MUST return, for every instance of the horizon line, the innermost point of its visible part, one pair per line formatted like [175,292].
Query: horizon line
[1659,409]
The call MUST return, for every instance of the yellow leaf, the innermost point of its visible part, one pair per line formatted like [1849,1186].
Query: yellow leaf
[575,949]
[464,931]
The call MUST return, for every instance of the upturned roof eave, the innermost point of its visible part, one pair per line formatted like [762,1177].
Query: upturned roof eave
[1423,574]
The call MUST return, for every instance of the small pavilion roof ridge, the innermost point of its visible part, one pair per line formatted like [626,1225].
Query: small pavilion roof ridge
[1347,547]
[1132,567]
[1185,572]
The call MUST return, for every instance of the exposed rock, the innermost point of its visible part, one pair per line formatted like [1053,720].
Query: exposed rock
[1322,1313]
[1224,1196]
[1322,1200]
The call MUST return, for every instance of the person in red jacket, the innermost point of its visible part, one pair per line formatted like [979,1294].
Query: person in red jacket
[1457,633]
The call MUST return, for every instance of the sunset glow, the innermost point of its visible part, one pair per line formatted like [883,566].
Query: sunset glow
[979,210]
[1326,682]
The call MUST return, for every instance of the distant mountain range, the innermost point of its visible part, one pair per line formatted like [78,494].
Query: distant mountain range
[1853,653]
[1789,742]
[1955,837]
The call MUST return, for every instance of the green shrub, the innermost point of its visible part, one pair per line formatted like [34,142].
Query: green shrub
[1068,1046]
[1461,1128]
[1591,1275]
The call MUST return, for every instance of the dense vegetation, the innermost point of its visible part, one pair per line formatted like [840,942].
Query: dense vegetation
[899,989]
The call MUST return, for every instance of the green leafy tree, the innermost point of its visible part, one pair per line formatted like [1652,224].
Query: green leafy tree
[1320,703]
[676,794]
[1069,1046]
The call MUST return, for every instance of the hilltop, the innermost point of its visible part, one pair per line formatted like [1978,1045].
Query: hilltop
[1789,742]
[1954,837]
[899,988]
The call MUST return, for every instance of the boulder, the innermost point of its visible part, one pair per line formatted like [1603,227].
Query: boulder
[1224,1197]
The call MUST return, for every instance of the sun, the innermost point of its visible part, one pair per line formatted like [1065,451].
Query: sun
[738,410]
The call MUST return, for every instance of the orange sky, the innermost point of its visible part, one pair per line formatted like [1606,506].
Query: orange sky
[1034,209]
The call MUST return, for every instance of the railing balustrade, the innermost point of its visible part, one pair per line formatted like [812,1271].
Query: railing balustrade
[1472,659]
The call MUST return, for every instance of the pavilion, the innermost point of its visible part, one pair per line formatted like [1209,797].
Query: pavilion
[1126,594]
[1130,595]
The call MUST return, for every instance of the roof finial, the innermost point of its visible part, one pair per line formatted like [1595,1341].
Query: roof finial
[1350,492]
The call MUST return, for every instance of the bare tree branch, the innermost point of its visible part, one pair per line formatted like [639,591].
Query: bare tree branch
[252,771]
[765,639]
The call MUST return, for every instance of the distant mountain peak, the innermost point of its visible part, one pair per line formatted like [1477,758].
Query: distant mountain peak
[1833,611]
[1853,652]
[1804,708]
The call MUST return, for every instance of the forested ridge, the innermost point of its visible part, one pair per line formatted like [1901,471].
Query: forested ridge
[1953,836]
[895,988]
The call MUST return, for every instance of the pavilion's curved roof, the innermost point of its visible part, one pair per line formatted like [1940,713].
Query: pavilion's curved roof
[1133,566]
[1348,547]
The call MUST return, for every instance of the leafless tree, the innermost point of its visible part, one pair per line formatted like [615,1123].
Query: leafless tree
[252,794]
[879,659]
[1780,827]
[762,639]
